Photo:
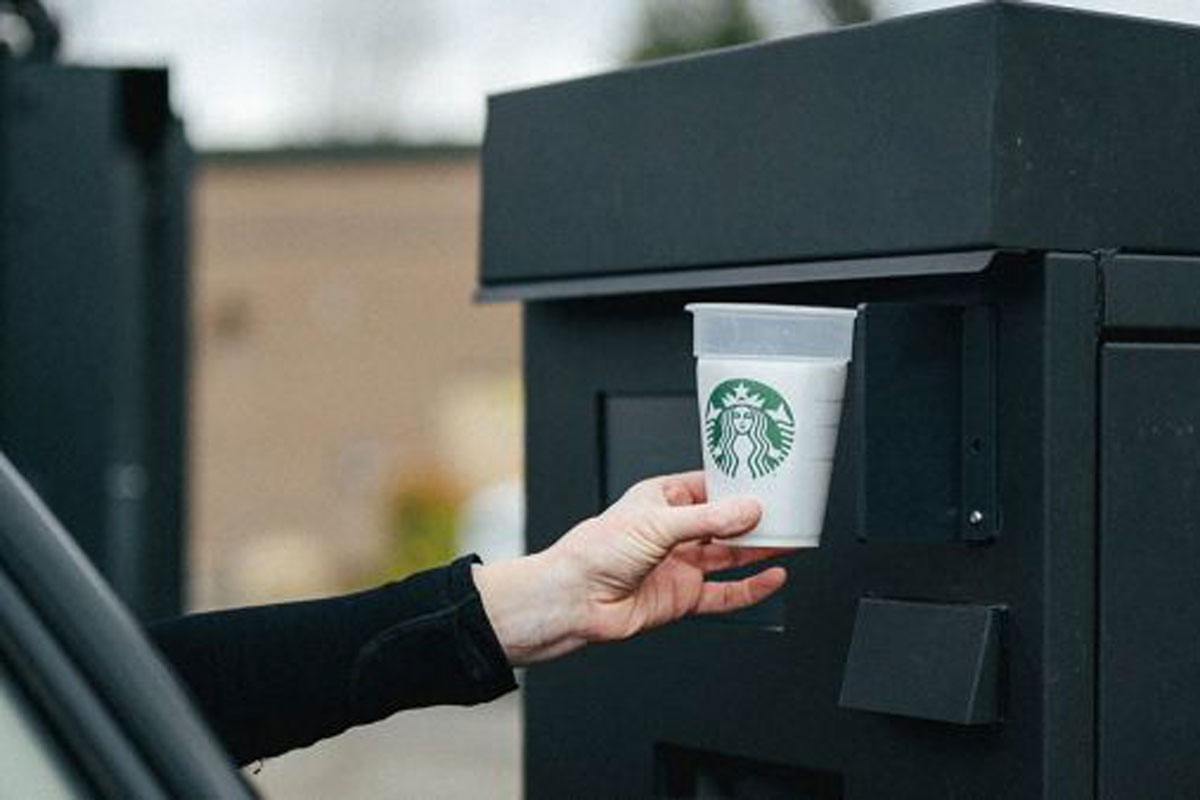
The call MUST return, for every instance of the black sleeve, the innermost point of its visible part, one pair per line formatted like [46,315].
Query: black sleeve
[273,678]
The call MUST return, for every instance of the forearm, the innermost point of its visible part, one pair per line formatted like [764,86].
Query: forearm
[272,678]
[533,607]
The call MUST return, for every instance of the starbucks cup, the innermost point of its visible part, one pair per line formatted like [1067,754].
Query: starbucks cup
[770,382]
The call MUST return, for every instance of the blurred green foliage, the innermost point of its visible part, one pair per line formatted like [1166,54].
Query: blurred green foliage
[676,27]
[846,12]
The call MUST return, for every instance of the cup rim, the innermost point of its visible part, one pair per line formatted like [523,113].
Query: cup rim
[772,309]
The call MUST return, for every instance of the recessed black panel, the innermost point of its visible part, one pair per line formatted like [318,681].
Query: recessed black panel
[682,773]
[1149,677]
[646,436]
[925,417]
[1152,294]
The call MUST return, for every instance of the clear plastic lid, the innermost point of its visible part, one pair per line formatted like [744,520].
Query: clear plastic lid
[748,330]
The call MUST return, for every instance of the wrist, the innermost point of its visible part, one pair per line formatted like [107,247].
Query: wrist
[531,605]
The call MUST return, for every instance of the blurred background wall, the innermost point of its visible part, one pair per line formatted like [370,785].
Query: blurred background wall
[355,417]
[348,396]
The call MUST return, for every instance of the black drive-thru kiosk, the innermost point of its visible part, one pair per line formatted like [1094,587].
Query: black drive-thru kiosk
[1005,603]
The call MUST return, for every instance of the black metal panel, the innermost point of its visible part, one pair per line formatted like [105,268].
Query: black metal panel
[1151,294]
[161,567]
[60,301]
[931,661]
[853,143]
[1068,323]
[93,310]
[594,720]
[1149,615]
[925,416]
[646,436]
[682,772]
[1089,153]
[908,397]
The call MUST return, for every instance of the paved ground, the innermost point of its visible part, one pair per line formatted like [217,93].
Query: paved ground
[427,754]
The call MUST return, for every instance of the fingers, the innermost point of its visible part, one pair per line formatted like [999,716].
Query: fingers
[720,519]
[713,557]
[684,489]
[719,598]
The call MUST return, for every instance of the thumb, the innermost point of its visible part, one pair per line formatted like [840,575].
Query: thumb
[722,518]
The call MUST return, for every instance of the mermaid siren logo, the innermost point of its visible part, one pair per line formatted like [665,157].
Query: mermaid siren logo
[748,426]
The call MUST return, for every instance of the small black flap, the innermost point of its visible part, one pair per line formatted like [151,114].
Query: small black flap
[925,660]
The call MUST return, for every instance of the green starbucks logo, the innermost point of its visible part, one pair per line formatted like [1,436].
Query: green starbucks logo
[748,426]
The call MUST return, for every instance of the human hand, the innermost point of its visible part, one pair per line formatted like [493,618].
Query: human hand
[639,564]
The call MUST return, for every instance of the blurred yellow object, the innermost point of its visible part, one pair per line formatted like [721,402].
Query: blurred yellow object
[421,519]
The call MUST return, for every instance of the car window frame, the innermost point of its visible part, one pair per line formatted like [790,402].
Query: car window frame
[69,709]
[84,659]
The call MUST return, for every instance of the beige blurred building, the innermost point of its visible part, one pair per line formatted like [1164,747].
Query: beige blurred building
[337,356]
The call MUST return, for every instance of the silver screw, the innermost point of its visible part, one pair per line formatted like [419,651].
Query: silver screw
[975,517]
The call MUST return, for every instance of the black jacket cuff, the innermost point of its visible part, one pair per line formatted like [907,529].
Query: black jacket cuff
[443,650]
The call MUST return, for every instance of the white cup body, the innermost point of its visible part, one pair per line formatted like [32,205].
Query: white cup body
[769,430]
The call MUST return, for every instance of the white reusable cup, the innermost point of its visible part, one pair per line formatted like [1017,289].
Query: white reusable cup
[770,381]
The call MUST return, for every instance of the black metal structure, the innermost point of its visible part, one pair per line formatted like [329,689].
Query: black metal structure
[1003,604]
[93,313]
